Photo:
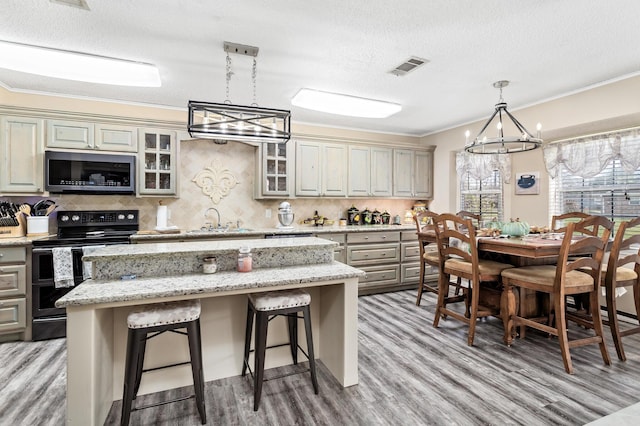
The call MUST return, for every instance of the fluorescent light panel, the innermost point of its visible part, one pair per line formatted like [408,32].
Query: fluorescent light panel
[77,66]
[335,103]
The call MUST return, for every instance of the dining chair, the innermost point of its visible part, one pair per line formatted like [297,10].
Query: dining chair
[459,256]
[424,223]
[475,218]
[578,271]
[616,273]
[558,223]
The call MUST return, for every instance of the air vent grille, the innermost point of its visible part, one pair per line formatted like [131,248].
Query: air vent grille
[409,65]
[80,4]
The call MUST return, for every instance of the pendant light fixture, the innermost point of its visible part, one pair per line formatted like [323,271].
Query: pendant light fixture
[224,122]
[521,141]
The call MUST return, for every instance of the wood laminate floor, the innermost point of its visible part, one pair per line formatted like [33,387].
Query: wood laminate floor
[410,374]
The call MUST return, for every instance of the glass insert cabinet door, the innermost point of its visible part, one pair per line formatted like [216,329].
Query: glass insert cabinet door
[275,164]
[157,165]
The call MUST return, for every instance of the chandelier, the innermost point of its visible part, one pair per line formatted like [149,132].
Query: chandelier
[500,144]
[224,122]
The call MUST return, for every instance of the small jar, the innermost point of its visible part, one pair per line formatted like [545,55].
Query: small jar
[244,259]
[209,265]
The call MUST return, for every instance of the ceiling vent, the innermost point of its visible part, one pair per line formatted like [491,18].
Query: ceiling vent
[409,65]
[80,4]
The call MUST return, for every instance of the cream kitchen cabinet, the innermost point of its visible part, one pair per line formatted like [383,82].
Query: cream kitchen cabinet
[339,253]
[321,169]
[85,135]
[370,171]
[13,292]
[409,258]
[22,148]
[378,254]
[157,162]
[412,173]
[274,170]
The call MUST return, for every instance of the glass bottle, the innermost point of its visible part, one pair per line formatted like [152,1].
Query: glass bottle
[244,259]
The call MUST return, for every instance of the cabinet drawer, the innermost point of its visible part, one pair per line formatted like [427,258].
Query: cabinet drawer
[13,255]
[409,236]
[13,280]
[361,255]
[338,238]
[410,273]
[13,314]
[410,252]
[377,275]
[373,237]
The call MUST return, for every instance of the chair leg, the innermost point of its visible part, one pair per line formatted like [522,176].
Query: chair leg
[458,286]
[247,338]
[596,317]
[130,374]
[614,325]
[195,351]
[262,325]
[563,339]
[442,291]
[421,281]
[312,359]
[474,288]
[292,322]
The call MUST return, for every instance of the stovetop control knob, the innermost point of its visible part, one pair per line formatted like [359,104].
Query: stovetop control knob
[75,218]
[131,216]
[64,218]
[120,216]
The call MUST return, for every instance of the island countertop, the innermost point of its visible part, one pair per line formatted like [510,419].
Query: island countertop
[92,292]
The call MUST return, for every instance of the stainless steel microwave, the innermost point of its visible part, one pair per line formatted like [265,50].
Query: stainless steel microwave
[79,172]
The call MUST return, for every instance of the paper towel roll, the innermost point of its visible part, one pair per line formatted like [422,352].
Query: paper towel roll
[161,217]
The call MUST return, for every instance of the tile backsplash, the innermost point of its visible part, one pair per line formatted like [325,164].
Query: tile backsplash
[188,211]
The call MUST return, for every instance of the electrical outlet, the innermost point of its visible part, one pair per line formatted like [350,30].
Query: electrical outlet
[267,213]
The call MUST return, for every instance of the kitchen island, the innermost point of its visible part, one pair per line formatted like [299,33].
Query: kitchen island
[97,310]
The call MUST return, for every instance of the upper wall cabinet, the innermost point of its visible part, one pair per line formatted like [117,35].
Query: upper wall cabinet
[83,135]
[274,170]
[321,169]
[412,173]
[370,171]
[157,162]
[22,147]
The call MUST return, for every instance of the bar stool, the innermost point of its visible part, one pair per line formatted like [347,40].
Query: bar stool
[265,307]
[156,319]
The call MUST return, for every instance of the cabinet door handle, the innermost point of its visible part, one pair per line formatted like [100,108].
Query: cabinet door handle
[384,237]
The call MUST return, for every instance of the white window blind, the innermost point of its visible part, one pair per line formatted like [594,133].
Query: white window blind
[614,193]
[482,196]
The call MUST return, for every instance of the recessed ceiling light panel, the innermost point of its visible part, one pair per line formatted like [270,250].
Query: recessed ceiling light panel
[352,106]
[77,66]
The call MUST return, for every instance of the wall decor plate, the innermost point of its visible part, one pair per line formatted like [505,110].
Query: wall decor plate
[527,183]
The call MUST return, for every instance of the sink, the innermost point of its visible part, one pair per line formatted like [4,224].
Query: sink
[208,231]
[242,230]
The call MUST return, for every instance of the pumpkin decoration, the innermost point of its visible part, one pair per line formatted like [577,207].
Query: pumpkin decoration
[495,224]
[515,228]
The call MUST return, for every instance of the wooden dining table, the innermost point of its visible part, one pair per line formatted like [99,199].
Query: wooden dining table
[519,251]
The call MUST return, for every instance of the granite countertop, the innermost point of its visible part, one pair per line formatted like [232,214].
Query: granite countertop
[93,292]
[261,232]
[18,241]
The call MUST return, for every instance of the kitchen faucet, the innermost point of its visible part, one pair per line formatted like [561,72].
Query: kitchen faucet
[206,215]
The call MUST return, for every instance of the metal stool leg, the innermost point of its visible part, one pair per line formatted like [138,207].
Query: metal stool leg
[131,364]
[195,350]
[262,324]
[247,338]
[292,321]
[312,360]
[142,338]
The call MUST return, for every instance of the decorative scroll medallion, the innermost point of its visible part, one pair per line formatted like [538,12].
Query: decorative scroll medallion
[216,181]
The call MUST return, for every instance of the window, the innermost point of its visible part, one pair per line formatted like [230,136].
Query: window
[614,193]
[482,196]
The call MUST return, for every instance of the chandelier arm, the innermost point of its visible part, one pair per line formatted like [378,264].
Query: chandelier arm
[518,124]
[487,123]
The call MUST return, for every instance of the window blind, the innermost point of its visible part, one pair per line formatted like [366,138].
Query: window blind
[482,196]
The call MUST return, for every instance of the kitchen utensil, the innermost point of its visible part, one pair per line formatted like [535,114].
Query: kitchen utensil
[26,209]
[285,215]
[50,209]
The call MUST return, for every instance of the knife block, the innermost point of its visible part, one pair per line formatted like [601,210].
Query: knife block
[17,231]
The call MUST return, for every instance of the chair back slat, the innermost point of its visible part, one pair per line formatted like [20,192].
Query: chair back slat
[589,248]
[424,220]
[571,216]
[617,258]
[448,228]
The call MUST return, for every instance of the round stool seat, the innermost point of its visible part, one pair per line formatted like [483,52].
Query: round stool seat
[273,300]
[166,313]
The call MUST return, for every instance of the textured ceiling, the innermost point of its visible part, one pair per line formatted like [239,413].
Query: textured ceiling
[546,48]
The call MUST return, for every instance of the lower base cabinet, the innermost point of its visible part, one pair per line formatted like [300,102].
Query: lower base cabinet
[13,290]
